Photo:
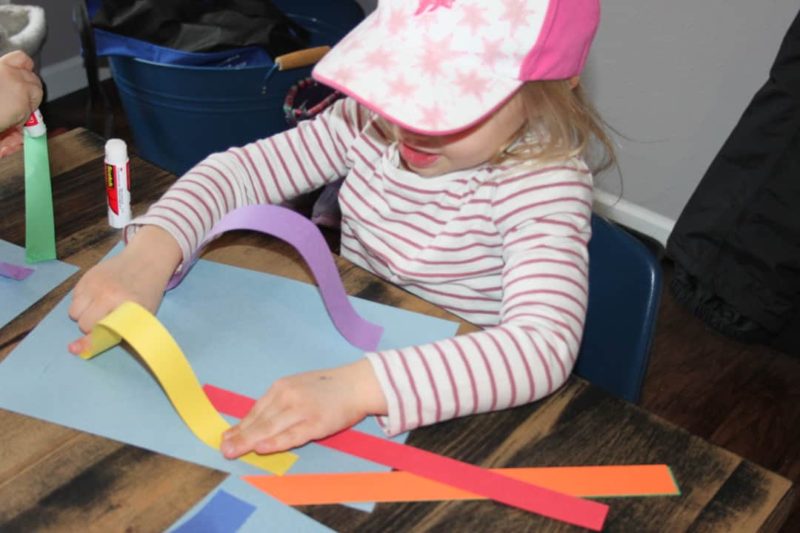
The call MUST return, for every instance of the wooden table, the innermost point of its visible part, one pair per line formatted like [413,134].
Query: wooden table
[55,478]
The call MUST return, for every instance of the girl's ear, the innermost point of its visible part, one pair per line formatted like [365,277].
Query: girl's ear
[574,81]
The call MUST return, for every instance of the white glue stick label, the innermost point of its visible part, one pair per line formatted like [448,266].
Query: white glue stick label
[118,183]
[35,125]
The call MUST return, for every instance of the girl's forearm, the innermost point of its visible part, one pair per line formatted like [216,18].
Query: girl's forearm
[157,249]
[367,388]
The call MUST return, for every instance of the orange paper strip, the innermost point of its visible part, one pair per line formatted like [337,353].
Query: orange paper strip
[584,481]
[451,472]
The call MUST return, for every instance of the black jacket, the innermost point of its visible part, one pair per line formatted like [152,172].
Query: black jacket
[736,245]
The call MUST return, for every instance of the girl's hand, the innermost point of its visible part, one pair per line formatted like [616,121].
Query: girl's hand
[20,87]
[305,407]
[139,273]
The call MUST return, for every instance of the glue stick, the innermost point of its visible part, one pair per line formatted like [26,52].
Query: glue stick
[118,183]
[35,125]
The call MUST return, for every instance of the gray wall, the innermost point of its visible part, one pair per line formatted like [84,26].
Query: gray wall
[62,40]
[674,77]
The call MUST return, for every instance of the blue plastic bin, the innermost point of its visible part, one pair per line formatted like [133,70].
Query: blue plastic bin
[180,114]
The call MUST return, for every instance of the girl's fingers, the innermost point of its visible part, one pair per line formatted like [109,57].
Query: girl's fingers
[232,440]
[96,309]
[79,346]
[240,439]
[92,315]
[262,405]
[78,305]
[291,437]
[80,311]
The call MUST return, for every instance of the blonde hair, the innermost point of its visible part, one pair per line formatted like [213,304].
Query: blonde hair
[561,124]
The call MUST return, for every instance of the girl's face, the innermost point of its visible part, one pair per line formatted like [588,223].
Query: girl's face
[435,155]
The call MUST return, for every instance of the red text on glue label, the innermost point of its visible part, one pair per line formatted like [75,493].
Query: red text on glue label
[111,188]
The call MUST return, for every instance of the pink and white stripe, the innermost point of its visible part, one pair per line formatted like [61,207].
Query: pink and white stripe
[503,247]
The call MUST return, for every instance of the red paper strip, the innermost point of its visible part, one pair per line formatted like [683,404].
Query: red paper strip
[465,476]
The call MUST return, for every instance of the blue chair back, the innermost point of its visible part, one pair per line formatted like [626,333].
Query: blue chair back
[624,294]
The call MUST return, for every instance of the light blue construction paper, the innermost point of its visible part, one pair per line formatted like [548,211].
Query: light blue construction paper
[17,296]
[239,329]
[269,514]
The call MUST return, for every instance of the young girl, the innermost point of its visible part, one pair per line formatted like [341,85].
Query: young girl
[461,142]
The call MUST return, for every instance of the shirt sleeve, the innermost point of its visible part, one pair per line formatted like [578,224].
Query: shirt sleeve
[531,351]
[271,170]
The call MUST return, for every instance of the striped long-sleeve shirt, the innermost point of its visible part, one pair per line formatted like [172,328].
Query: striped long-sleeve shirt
[504,247]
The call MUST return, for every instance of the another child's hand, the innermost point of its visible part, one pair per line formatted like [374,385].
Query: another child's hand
[21,89]
[305,407]
[11,141]
[139,273]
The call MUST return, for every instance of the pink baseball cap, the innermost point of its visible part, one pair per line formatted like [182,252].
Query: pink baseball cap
[440,66]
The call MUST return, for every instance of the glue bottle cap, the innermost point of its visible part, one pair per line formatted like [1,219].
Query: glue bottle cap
[35,124]
[116,150]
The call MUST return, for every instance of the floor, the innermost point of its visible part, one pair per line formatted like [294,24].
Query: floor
[745,398]
[742,397]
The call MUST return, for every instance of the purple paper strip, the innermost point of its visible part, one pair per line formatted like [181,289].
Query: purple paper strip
[9,270]
[306,238]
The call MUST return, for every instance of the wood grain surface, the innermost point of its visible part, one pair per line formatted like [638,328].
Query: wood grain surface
[57,479]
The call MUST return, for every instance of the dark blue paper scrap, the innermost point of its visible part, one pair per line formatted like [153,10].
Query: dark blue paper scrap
[224,513]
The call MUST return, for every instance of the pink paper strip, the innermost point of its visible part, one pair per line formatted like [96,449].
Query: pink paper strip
[306,238]
[455,473]
[17,272]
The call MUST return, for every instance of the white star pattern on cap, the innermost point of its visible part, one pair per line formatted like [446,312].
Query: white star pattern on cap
[431,5]
[436,66]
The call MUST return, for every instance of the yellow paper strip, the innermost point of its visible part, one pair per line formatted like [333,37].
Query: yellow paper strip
[162,355]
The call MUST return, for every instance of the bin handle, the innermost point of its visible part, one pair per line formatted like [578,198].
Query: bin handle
[301,58]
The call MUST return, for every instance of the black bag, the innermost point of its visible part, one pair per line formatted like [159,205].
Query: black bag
[202,25]
[736,245]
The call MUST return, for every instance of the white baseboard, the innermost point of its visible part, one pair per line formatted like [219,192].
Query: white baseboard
[67,77]
[633,216]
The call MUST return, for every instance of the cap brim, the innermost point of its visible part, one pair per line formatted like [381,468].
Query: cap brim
[429,88]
